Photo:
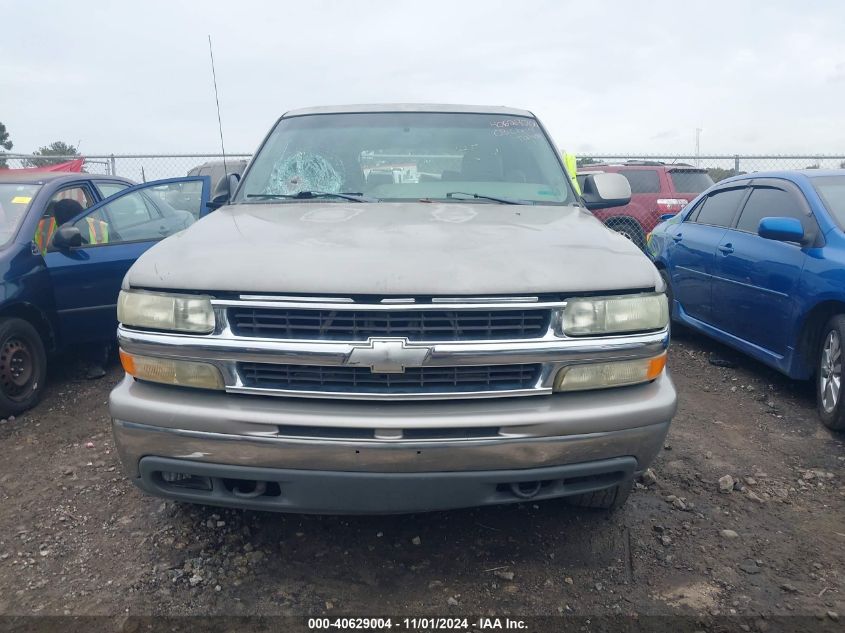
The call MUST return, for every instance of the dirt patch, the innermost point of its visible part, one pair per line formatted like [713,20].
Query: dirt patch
[77,538]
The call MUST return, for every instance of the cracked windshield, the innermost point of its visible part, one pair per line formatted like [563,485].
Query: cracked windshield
[408,156]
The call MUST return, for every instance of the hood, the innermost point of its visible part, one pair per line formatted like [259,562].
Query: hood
[406,249]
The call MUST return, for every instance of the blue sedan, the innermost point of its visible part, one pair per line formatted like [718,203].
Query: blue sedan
[758,262]
[66,241]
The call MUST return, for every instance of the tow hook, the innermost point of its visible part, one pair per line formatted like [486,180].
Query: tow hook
[525,489]
[260,489]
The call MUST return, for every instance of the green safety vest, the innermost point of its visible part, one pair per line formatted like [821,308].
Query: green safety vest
[571,165]
[44,233]
[98,231]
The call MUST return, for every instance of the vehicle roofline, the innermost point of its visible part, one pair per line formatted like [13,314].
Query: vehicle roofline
[408,107]
[20,179]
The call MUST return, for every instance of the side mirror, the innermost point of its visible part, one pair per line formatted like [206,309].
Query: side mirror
[226,186]
[67,236]
[605,190]
[781,229]
[667,216]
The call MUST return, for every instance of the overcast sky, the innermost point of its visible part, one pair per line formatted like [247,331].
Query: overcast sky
[134,77]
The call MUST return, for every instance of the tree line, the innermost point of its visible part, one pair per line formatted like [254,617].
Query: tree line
[56,148]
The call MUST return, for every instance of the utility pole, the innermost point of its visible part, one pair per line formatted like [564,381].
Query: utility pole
[697,146]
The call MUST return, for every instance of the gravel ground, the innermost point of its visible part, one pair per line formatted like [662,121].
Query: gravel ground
[743,513]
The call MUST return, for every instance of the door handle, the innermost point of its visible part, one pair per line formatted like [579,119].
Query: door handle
[726,249]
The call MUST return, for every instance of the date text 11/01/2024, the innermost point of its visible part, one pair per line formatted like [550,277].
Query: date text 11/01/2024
[417,624]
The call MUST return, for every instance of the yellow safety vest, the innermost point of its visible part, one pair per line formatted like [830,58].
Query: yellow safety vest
[571,165]
[44,233]
[98,231]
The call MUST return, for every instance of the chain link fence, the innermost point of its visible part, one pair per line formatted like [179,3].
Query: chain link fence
[137,167]
[721,166]
[145,167]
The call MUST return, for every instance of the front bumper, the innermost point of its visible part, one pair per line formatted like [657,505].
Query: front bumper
[335,492]
[347,457]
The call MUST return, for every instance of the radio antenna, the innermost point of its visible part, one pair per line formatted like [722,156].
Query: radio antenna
[217,101]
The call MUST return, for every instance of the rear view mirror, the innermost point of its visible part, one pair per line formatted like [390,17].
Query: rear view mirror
[67,236]
[781,229]
[224,190]
[605,190]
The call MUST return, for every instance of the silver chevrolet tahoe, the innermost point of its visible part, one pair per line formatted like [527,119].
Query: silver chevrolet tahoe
[399,308]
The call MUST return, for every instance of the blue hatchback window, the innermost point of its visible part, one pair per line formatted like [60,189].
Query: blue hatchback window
[831,189]
[720,207]
[770,203]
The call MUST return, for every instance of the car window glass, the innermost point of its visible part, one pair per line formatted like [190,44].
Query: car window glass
[692,216]
[766,202]
[62,207]
[831,189]
[15,200]
[720,207]
[110,188]
[690,180]
[184,196]
[78,193]
[141,215]
[408,156]
[642,180]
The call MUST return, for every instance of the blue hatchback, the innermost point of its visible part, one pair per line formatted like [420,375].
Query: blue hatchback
[758,262]
[66,242]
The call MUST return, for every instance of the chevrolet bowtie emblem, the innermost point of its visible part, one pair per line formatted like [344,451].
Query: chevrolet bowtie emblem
[388,355]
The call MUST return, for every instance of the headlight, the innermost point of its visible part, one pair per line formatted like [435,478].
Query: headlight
[164,311]
[614,315]
[614,374]
[172,372]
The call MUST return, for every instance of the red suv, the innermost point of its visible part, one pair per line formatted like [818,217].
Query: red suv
[656,189]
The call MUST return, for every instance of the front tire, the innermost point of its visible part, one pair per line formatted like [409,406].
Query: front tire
[630,229]
[609,499]
[23,366]
[829,374]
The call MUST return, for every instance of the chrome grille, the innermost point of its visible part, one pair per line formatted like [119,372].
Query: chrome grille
[415,325]
[417,380]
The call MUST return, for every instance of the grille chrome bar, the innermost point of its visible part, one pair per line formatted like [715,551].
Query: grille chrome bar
[361,325]
[420,380]
[357,395]
[226,348]
[330,304]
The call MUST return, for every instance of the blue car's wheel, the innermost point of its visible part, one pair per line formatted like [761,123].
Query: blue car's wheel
[829,374]
[23,366]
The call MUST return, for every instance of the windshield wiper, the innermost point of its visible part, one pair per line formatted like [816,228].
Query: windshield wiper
[305,195]
[478,196]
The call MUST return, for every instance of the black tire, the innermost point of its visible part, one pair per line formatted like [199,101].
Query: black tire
[629,228]
[23,366]
[828,367]
[608,499]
